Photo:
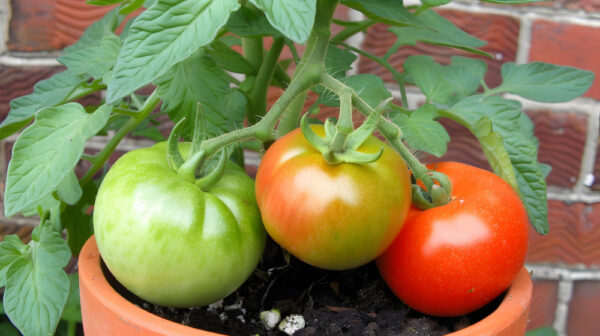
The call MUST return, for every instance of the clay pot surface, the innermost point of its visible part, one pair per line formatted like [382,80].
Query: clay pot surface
[105,312]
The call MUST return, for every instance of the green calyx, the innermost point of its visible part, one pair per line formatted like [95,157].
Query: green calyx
[189,169]
[437,194]
[341,141]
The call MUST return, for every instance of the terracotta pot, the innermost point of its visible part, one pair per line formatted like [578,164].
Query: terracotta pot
[105,312]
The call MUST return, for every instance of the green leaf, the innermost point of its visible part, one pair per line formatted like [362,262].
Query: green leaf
[69,190]
[229,59]
[435,3]
[422,132]
[94,60]
[437,30]
[47,151]
[148,130]
[543,331]
[441,83]
[72,310]
[369,87]
[49,92]
[545,82]
[7,329]
[250,23]
[338,61]
[130,6]
[507,120]
[162,36]
[11,249]
[493,147]
[427,75]
[465,74]
[76,220]
[387,11]
[37,287]
[198,80]
[96,32]
[294,19]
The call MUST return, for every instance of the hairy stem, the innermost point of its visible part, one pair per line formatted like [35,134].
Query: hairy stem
[99,159]
[399,77]
[258,94]
[351,30]
[312,66]
[390,132]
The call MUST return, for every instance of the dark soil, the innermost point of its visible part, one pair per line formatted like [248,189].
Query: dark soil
[354,302]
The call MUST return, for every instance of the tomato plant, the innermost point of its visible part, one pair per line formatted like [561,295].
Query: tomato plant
[170,242]
[455,258]
[208,66]
[331,216]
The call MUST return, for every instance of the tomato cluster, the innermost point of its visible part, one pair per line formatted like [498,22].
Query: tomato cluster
[195,246]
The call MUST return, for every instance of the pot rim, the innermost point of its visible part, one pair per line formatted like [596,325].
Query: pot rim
[515,305]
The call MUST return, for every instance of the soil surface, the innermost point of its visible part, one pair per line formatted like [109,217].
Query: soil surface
[354,302]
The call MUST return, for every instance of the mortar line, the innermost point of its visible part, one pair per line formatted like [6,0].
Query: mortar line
[554,272]
[5,16]
[561,314]
[14,61]
[356,40]
[524,40]
[568,195]
[586,173]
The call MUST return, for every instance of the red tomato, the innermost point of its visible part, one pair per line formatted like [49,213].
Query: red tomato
[331,216]
[456,258]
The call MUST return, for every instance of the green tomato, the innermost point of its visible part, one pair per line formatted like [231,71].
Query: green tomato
[168,241]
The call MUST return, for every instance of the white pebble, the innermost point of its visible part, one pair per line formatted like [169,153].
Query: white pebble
[270,318]
[292,323]
[215,306]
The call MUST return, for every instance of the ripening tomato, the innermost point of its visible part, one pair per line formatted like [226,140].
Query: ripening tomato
[453,259]
[331,216]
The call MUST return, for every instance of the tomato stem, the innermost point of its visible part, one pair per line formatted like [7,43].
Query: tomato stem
[393,135]
[312,65]
[100,158]
[253,50]
[258,94]
[344,125]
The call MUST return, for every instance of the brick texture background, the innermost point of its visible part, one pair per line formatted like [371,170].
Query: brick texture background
[565,32]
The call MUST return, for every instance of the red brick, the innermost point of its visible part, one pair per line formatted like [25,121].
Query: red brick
[583,312]
[569,45]
[49,24]
[501,33]
[18,81]
[574,236]
[463,147]
[562,140]
[586,5]
[543,304]
[23,231]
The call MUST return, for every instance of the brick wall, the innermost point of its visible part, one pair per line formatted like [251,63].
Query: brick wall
[565,264]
